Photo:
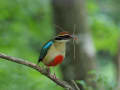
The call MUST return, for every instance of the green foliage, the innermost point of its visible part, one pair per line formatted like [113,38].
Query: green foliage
[84,85]
[92,7]
[101,80]
[105,34]
[24,26]
[104,30]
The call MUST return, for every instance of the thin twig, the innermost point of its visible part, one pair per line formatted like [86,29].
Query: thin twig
[75,84]
[74,48]
[61,83]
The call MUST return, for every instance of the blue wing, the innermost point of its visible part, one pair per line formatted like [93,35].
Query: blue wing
[44,50]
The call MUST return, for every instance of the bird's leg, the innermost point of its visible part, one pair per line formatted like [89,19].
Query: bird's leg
[48,70]
[52,75]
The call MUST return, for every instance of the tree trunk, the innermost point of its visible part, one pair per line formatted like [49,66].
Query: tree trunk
[68,13]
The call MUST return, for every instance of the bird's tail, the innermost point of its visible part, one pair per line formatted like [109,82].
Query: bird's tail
[39,60]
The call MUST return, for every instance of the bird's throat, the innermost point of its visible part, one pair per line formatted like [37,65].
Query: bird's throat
[60,46]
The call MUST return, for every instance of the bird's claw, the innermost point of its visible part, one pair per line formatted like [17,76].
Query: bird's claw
[54,76]
[48,70]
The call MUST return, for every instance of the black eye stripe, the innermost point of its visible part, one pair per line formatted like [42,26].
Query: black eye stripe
[65,36]
[58,38]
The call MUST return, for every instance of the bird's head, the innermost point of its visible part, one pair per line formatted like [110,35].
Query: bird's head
[63,37]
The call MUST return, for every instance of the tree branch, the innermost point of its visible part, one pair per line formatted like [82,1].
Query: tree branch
[43,71]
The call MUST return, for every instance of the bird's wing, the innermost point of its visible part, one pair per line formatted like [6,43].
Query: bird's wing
[44,50]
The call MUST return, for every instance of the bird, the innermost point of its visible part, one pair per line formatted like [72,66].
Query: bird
[53,52]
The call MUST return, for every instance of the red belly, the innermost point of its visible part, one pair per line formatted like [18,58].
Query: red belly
[57,60]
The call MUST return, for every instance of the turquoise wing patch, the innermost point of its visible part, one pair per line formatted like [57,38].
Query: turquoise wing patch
[44,50]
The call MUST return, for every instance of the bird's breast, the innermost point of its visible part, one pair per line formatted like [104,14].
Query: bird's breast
[55,55]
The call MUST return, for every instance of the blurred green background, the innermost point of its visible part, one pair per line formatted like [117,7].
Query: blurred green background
[26,24]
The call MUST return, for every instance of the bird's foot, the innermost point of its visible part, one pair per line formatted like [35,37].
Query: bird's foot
[54,76]
[49,72]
